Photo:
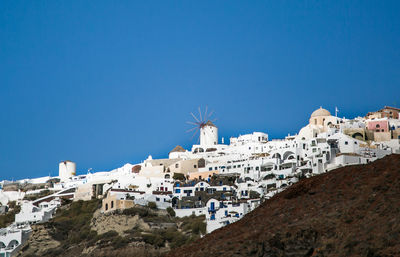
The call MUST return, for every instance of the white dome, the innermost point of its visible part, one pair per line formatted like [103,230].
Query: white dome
[320,112]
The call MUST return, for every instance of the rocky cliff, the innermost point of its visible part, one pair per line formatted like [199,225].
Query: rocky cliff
[80,229]
[351,211]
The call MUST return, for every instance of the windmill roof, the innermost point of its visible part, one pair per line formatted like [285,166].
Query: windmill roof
[209,123]
[178,148]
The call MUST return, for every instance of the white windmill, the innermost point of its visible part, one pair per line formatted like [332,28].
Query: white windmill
[204,124]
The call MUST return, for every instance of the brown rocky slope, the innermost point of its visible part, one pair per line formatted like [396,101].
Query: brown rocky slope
[351,211]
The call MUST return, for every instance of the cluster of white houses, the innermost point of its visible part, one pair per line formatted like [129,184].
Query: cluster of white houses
[221,181]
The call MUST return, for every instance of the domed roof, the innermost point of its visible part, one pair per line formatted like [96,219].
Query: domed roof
[320,112]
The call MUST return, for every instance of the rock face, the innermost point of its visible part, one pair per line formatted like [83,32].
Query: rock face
[80,229]
[351,211]
[39,242]
[104,223]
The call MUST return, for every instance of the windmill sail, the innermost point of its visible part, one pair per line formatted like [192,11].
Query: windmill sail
[204,119]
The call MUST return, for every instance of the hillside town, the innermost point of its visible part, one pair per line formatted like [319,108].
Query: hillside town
[221,181]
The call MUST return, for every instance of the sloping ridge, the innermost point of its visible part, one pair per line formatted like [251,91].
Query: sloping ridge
[350,211]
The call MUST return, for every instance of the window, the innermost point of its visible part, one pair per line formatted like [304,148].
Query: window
[106,206]
[177,165]
[112,204]
[195,166]
[157,199]
[177,191]
[346,143]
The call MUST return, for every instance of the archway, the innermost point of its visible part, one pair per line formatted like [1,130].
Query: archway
[287,154]
[175,202]
[201,163]
[358,136]
[277,156]
[13,243]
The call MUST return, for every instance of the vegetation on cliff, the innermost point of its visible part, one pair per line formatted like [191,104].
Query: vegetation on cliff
[8,218]
[142,231]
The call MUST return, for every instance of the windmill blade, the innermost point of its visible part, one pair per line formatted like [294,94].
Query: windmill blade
[194,117]
[197,130]
[211,113]
[214,120]
[200,121]
[200,113]
[191,129]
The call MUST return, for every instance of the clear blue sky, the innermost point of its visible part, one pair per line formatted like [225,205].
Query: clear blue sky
[104,83]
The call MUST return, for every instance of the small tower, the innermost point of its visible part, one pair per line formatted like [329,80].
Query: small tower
[204,124]
[208,134]
[66,170]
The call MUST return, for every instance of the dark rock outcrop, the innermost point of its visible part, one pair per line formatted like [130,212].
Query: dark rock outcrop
[351,211]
